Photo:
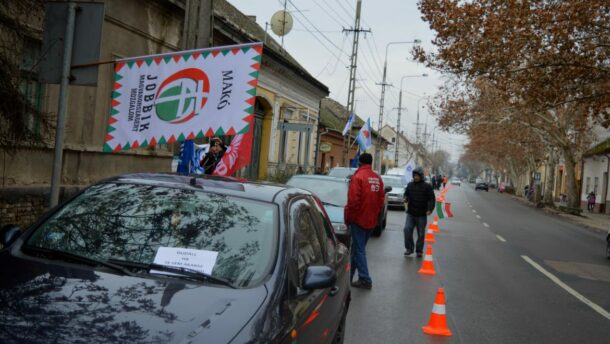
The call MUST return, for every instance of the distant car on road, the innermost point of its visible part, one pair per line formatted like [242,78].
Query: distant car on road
[164,258]
[396,196]
[472,180]
[455,181]
[482,186]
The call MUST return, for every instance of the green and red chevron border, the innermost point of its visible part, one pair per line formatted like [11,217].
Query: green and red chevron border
[249,110]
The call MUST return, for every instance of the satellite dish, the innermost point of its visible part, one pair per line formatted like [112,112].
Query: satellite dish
[281,23]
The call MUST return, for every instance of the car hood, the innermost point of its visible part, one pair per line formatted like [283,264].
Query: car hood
[335,213]
[396,191]
[42,302]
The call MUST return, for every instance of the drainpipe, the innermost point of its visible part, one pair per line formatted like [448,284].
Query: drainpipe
[607,182]
[315,154]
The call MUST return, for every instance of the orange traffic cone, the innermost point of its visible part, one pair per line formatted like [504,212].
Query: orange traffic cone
[434,227]
[438,319]
[429,236]
[427,267]
[436,218]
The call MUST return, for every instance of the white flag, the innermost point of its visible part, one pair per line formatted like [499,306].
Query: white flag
[165,98]
[348,125]
[408,175]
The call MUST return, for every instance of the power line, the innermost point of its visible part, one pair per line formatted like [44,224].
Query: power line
[337,18]
[316,28]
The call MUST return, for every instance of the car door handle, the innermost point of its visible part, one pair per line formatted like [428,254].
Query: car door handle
[334,290]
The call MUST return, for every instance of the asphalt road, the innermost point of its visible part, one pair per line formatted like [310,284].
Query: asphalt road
[511,274]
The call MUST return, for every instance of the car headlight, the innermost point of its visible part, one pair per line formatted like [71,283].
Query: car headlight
[340,228]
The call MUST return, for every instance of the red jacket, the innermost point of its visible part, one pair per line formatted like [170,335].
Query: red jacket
[365,198]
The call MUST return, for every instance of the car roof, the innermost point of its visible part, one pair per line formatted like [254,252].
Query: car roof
[265,192]
[319,177]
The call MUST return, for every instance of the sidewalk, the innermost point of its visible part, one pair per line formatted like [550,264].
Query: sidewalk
[597,222]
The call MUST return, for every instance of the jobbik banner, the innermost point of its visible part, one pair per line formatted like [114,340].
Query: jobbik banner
[165,98]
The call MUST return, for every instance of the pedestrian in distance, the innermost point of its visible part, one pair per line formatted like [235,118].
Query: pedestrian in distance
[214,155]
[365,200]
[591,201]
[420,201]
[445,180]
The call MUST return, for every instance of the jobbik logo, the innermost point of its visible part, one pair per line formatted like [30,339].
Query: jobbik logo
[182,95]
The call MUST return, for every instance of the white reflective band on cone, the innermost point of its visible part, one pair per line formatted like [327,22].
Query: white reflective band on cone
[438,309]
[428,258]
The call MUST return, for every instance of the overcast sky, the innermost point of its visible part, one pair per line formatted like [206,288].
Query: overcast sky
[325,54]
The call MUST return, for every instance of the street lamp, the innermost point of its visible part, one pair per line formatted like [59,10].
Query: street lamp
[400,111]
[382,99]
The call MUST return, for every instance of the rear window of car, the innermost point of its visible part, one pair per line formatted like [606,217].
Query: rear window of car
[131,222]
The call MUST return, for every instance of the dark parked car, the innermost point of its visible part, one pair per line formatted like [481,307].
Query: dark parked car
[482,186]
[333,194]
[153,258]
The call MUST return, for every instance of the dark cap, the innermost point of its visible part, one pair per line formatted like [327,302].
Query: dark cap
[365,159]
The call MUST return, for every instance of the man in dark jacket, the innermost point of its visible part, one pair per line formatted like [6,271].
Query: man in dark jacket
[420,200]
[214,155]
[365,200]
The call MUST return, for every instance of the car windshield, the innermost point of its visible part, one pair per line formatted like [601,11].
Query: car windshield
[392,181]
[341,172]
[333,191]
[132,222]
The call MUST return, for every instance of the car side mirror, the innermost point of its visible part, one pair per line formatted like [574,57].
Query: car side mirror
[319,277]
[8,235]
[387,189]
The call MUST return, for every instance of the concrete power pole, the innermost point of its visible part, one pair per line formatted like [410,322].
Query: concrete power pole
[352,78]
[400,108]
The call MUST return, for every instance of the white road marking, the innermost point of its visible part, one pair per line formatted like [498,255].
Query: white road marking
[500,238]
[479,217]
[474,211]
[567,288]
[485,225]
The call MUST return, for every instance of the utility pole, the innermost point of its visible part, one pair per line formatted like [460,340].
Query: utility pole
[400,108]
[382,99]
[352,78]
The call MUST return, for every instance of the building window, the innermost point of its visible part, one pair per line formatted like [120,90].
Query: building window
[393,140]
[595,184]
[588,185]
[30,85]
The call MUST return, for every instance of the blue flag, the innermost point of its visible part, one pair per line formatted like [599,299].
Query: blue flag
[364,136]
[187,150]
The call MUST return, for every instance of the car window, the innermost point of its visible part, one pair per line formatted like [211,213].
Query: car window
[325,229]
[131,222]
[333,191]
[309,247]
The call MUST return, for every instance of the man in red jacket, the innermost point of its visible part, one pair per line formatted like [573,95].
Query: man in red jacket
[365,201]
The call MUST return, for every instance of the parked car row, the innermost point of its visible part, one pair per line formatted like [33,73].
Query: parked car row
[173,259]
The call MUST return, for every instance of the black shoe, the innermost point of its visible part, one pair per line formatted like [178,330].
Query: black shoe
[419,254]
[408,253]
[362,285]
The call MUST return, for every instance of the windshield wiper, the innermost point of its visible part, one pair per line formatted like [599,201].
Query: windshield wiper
[183,272]
[332,204]
[190,273]
[80,259]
